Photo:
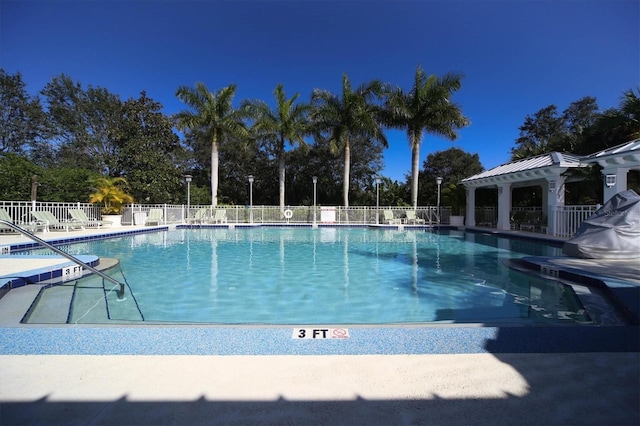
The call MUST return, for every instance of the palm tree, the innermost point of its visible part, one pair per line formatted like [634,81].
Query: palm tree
[347,119]
[214,118]
[426,107]
[275,127]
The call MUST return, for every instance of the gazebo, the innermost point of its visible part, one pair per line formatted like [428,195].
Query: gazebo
[548,172]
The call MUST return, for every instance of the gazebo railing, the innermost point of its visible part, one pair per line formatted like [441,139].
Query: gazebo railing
[569,218]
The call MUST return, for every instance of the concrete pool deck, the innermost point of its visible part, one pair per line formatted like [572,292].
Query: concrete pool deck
[127,375]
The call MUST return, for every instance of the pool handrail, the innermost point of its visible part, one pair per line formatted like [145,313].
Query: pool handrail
[65,254]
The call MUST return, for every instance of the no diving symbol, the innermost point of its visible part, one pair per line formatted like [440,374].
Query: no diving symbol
[340,333]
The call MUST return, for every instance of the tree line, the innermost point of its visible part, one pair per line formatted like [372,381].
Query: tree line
[60,140]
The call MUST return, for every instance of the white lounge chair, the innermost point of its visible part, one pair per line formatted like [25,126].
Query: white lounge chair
[220,216]
[412,218]
[31,227]
[202,215]
[79,216]
[51,222]
[155,217]
[390,219]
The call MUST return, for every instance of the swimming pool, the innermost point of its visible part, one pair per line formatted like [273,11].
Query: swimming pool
[321,276]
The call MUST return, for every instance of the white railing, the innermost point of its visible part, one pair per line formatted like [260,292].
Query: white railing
[566,218]
[20,211]
[364,215]
[569,218]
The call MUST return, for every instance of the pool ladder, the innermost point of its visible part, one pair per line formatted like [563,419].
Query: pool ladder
[65,254]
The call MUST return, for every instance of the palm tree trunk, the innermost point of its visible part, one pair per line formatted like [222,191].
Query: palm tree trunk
[347,170]
[281,175]
[415,169]
[214,171]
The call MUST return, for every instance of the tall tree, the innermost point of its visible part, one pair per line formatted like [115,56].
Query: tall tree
[287,122]
[150,154]
[615,125]
[85,122]
[213,115]
[452,165]
[23,123]
[548,131]
[539,134]
[349,118]
[578,118]
[427,107]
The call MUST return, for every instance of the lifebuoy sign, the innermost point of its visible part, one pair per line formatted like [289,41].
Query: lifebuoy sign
[320,333]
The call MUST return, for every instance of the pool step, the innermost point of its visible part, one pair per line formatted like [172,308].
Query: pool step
[52,305]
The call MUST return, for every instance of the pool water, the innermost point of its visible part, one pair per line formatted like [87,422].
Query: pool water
[323,276]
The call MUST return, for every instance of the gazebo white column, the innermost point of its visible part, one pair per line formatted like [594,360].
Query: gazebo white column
[471,207]
[555,198]
[615,180]
[504,207]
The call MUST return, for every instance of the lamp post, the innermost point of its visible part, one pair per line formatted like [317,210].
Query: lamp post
[378,180]
[250,198]
[187,178]
[315,181]
[439,182]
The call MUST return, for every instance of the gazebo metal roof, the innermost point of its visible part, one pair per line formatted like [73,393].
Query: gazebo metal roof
[626,155]
[623,155]
[525,170]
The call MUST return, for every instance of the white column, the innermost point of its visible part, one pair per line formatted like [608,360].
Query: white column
[504,207]
[619,176]
[471,207]
[555,198]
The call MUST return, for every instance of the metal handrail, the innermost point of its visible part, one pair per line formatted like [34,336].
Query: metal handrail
[65,254]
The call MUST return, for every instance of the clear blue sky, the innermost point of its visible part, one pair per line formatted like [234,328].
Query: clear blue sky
[517,56]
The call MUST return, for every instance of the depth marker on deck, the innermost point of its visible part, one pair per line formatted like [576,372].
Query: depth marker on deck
[320,333]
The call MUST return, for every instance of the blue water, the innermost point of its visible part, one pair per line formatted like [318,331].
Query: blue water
[330,276]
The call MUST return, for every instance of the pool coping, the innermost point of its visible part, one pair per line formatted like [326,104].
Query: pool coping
[258,340]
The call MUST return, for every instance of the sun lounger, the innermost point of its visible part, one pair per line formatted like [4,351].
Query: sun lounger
[31,227]
[79,216]
[412,218]
[52,223]
[220,216]
[390,219]
[155,217]
[202,215]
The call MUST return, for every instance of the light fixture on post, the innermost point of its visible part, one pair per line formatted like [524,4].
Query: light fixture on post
[187,178]
[250,198]
[315,181]
[439,182]
[378,181]
[610,180]
[552,186]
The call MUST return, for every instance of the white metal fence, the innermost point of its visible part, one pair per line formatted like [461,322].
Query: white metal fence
[20,211]
[173,214]
[567,218]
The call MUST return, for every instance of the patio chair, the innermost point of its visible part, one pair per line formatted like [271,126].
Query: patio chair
[412,218]
[79,216]
[51,222]
[5,216]
[202,215]
[155,217]
[220,216]
[390,219]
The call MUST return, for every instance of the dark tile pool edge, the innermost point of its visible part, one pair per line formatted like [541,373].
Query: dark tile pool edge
[70,239]
[196,340]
